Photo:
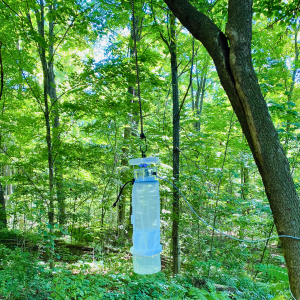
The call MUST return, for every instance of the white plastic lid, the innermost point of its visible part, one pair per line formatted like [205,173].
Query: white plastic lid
[144,160]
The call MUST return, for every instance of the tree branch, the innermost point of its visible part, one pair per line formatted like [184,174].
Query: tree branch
[184,98]
[10,8]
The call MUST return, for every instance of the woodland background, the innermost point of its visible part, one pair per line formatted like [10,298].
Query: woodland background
[69,123]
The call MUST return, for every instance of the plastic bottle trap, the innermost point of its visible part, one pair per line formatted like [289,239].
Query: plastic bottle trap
[145,217]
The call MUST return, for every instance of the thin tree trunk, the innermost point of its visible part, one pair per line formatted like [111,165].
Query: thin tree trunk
[191,74]
[265,248]
[200,98]
[244,177]
[124,178]
[176,128]
[292,86]
[1,75]
[53,98]
[42,53]
[244,181]
[3,217]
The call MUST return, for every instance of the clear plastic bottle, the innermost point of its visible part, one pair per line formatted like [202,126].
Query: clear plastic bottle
[145,217]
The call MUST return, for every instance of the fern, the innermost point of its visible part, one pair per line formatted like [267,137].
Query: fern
[277,273]
[197,294]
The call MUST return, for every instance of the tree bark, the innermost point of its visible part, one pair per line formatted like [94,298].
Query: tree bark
[42,54]
[237,76]
[176,118]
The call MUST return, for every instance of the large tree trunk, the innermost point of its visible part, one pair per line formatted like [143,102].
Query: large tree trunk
[237,76]
[176,128]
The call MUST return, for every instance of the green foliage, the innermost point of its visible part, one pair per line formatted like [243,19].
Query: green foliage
[19,238]
[274,272]
[278,276]
[195,293]
[11,234]
[20,275]
[94,76]
[82,234]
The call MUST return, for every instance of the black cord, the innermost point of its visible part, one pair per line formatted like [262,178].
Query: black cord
[142,135]
[132,182]
[137,66]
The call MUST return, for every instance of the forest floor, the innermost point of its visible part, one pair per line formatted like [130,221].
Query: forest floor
[104,271]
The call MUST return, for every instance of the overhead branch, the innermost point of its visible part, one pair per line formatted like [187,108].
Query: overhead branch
[8,6]
[84,200]
[160,33]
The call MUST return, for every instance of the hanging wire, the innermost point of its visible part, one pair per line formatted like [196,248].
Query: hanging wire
[292,295]
[225,234]
[142,135]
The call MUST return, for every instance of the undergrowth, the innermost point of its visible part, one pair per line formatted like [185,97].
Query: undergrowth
[24,276]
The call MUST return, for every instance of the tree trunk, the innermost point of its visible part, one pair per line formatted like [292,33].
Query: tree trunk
[191,74]
[200,97]
[176,118]
[3,218]
[54,102]
[42,54]
[237,76]
[124,178]
[290,91]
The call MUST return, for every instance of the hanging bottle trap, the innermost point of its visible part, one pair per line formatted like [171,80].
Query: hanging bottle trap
[145,217]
